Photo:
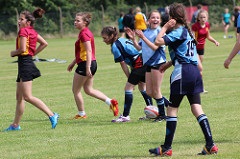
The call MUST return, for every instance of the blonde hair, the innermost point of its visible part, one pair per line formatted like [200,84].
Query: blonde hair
[138,9]
[200,12]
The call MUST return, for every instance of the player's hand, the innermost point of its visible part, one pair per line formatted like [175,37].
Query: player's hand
[129,32]
[170,24]
[70,67]
[139,33]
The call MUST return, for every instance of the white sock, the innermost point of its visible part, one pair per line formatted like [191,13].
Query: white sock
[108,101]
[81,113]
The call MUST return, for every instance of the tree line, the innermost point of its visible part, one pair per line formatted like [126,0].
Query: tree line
[105,12]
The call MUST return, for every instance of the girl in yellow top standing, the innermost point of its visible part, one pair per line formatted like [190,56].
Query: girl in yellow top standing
[140,20]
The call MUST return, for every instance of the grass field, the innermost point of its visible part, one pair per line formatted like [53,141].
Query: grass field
[96,137]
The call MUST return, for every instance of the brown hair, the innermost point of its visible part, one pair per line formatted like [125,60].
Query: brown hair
[109,31]
[87,17]
[38,13]
[177,11]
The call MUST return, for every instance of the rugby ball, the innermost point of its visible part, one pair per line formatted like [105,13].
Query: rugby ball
[151,112]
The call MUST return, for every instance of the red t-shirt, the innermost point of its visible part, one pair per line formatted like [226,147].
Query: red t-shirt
[31,36]
[80,51]
[201,34]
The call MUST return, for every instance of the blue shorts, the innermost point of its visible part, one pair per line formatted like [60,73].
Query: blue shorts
[27,70]
[190,82]
[81,69]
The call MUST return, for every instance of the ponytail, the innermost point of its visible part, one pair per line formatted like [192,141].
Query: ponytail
[38,13]
[32,16]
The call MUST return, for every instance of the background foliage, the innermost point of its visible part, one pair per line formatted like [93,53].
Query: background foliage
[105,12]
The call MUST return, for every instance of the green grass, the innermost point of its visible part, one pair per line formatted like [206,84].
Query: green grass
[97,137]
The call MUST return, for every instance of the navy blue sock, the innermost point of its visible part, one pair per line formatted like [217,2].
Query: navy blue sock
[127,103]
[147,98]
[171,124]
[160,105]
[205,126]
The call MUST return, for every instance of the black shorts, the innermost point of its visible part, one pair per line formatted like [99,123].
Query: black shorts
[137,75]
[227,23]
[200,52]
[155,67]
[27,69]
[81,69]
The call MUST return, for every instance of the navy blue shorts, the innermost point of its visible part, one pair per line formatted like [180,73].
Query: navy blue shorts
[190,81]
[27,69]
[190,84]
[137,75]
[81,69]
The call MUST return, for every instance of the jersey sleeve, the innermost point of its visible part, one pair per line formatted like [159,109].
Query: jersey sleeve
[85,37]
[169,38]
[23,32]
[116,54]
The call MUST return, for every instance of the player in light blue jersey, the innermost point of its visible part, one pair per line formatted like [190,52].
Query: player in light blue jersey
[126,54]
[153,58]
[185,79]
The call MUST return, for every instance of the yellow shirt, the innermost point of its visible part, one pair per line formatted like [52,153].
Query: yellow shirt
[140,23]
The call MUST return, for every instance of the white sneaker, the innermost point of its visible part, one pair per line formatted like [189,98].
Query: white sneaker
[224,37]
[121,119]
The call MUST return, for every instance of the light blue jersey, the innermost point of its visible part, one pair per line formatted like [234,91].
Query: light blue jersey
[182,50]
[151,57]
[226,17]
[124,50]
[181,46]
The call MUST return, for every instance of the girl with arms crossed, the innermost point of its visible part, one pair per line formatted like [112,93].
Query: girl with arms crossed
[27,71]
[87,67]
[185,79]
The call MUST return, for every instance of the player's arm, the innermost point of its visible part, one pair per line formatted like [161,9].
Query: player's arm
[169,25]
[233,53]
[125,68]
[210,38]
[88,48]
[132,36]
[148,42]
[43,44]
